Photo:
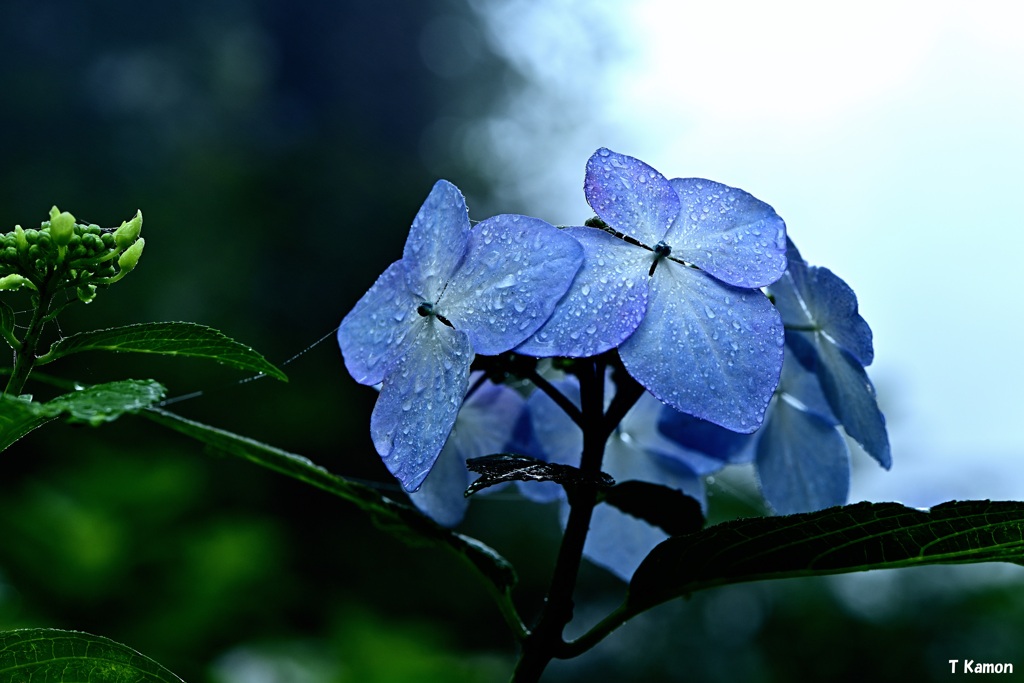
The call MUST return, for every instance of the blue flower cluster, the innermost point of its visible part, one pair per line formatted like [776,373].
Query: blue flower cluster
[744,351]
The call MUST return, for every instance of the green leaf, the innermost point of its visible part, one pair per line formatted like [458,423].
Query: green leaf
[396,518]
[18,417]
[101,403]
[169,339]
[837,540]
[42,655]
[661,506]
[504,467]
[94,405]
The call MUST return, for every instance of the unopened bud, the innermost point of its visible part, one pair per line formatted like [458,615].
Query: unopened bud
[62,227]
[129,231]
[130,257]
[20,238]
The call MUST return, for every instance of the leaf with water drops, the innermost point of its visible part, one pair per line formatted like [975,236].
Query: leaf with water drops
[803,462]
[728,233]
[604,304]
[420,400]
[515,270]
[18,416]
[436,242]
[630,196]
[372,335]
[706,348]
[500,468]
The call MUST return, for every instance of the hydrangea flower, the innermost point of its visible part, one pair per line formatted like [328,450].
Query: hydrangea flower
[455,292]
[673,284]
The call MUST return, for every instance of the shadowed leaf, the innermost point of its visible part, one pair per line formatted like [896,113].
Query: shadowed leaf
[837,540]
[670,509]
[41,655]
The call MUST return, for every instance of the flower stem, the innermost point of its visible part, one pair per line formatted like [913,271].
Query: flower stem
[25,357]
[545,641]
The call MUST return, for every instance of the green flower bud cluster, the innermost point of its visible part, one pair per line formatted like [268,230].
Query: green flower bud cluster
[64,254]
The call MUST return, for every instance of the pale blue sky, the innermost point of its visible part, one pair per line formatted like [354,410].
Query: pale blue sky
[889,136]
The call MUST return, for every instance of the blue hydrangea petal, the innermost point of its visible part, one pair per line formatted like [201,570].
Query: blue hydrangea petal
[483,427]
[834,307]
[803,462]
[801,383]
[604,304]
[420,400]
[707,349]
[727,232]
[811,297]
[436,242]
[630,196]
[515,270]
[704,446]
[852,398]
[372,335]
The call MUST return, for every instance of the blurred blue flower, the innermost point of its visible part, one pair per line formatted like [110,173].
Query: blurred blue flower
[673,283]
[455,292]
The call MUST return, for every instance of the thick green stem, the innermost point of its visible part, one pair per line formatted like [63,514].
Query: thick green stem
[25,357]
[545,641]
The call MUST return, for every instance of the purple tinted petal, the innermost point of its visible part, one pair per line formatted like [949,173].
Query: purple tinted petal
[803,462]
[437,241]
[515,270]
[707,349]
[420,399]
[727,232]
[373,333]
[630,196]
[604,304]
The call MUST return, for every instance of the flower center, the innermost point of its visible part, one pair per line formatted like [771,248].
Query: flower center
[661,250]
[426,309]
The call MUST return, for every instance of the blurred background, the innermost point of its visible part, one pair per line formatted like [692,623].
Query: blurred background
[279,151]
